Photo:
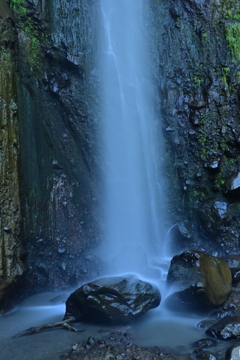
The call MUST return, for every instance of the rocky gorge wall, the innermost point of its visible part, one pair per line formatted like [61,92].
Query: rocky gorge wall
[49,163]
[50,158]
[199,90]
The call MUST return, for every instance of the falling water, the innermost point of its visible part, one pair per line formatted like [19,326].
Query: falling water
[131,138]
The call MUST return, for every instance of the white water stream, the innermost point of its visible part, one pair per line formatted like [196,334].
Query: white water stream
[134,201]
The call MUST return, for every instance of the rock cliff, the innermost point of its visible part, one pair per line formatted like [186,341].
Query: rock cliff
[199,58]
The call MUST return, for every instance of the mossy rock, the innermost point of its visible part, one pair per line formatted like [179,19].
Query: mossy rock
[198,280]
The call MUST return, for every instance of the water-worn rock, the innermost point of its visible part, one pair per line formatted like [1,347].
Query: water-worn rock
[226,329]
[233,352]
[198,280]
[112,300]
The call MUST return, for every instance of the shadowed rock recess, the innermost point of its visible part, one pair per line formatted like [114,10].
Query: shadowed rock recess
[49,176]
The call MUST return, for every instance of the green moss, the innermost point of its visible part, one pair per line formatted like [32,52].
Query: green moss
[18,6]
[35,37]
[197,80]
[200,195]
[219,181]
[231,13]
[204,36]
[35,49]
[233,39]
[226,73]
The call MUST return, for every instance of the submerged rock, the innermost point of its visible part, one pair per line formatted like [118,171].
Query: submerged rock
[205,343]
[118,299]
[199,354]
[198,280]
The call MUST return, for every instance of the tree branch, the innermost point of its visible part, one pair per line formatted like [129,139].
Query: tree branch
[35,330]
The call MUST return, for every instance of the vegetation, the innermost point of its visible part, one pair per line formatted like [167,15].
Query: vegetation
[232,28]
[35,37]
[18,6]
[233,38]
[226,73]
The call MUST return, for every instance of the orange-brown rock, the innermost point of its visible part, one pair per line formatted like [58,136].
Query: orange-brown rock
[198,280]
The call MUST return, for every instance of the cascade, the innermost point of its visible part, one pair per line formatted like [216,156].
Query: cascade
[131,139]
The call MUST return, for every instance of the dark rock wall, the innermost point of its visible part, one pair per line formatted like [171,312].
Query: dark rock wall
[49,213]
[58,166]
[11,250]
[199,52]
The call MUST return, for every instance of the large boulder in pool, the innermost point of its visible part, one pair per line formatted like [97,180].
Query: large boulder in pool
[197,280]
[118,299]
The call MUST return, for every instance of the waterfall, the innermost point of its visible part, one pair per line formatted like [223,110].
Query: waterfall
[131,139]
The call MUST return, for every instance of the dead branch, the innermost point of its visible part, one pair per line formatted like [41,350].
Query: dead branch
[35,330]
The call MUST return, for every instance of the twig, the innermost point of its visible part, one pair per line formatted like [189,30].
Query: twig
[38,329]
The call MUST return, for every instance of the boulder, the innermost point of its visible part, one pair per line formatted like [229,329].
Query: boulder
[197,280]
[233,352]
[118,299]
[226,329]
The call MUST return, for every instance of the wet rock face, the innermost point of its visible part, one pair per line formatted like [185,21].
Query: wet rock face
[115,300]
[233,185]
[198,281]
[50,166]
[11,249]
[226,329]
[179,238]
[234,265]
[199,93]
[219,220]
